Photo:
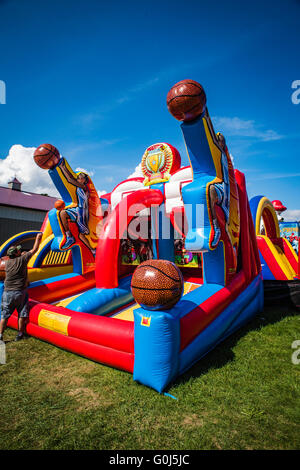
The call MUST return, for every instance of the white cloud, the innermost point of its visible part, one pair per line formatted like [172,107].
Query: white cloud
[90,173]
[19,162]
[242,128]
[291,215]
[100,193]
[137,172]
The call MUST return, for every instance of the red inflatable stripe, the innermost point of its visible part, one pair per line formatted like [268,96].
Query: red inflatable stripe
[287,251]
[253,241]
[107,274]
[270,259]
[106,340]
[244,224]
[61,289]
[96,352]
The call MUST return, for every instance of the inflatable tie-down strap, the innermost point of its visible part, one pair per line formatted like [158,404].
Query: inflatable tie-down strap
[282,293]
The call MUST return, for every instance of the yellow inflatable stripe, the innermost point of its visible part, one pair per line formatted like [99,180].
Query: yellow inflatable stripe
[214,150]
[266,204]
[127,314]
[189,287]
[45,241]
[54,321]
[285,262]
[36,274]
[65,302]
[6,243]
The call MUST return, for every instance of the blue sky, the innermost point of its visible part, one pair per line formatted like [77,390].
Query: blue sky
[91,77]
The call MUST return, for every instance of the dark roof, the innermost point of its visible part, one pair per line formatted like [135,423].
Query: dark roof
[10,197]
[15,180]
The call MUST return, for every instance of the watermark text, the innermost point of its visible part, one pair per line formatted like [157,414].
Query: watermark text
[296,354]
[296,94]
[2,92]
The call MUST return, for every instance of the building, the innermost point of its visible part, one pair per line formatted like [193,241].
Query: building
[20,210]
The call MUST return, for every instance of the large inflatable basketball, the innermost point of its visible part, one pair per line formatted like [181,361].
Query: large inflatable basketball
[157,284]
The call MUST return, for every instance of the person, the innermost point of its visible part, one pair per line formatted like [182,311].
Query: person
[15,295]
[78,214]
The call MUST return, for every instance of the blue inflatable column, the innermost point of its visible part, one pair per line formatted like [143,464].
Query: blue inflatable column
[162,231]
[156,347]
[194,194]
[195,198]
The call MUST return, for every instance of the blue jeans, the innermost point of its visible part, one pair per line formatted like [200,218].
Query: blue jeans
[14,299]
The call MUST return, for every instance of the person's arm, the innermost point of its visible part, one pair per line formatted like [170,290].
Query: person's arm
[69,177]
[36,245]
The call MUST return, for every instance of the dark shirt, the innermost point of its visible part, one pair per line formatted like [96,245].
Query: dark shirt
[16,272]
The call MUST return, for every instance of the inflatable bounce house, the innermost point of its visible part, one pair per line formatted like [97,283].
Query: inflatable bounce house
[279,259]
[152,276]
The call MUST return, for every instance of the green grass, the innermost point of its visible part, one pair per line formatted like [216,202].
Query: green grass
[243,395]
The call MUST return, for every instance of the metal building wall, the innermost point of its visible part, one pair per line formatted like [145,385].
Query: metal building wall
[14,220]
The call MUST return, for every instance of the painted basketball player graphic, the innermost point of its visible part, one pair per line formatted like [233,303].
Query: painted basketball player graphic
[79,213]
[220,193]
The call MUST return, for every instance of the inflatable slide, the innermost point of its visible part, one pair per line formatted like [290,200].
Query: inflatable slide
[279,260]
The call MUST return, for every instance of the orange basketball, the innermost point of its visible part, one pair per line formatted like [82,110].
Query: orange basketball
[59,204]
[46,156]
[157,284]
[186,100]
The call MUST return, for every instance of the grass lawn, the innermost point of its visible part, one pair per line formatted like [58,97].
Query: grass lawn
[243,395]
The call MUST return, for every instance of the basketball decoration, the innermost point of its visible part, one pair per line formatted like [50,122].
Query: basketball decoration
[159,162]
[59,204]
[157,284]
[2,267]
[186,100]
[46,156]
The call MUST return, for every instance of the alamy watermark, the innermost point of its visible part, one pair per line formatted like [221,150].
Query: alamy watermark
[296,94]
[296,354]
[136,221]
[2,353]
[2,92]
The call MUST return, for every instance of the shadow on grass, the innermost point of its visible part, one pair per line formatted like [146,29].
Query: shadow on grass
[223,354]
